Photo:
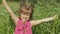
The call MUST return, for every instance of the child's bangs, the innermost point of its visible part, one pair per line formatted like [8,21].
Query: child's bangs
[26,12]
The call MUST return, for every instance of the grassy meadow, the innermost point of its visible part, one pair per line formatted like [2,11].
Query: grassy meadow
[42,9]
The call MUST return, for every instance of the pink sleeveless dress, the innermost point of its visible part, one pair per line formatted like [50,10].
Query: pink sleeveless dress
[23,28]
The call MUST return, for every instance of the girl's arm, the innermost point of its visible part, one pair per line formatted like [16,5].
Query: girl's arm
[36,22]
[14,17]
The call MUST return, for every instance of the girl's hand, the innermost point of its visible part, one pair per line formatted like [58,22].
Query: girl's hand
[3,0]
[6,5]
[55,17]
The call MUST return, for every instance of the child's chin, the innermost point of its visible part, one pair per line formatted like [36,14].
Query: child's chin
[24,20]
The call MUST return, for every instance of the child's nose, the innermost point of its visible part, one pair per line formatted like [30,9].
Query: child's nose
[25,17]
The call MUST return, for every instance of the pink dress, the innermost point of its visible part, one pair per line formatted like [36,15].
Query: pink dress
[23,28]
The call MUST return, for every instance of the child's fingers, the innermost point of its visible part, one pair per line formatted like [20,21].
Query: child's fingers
[3,0]
[56,17]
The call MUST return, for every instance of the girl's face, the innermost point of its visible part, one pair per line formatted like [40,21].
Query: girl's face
[25,16]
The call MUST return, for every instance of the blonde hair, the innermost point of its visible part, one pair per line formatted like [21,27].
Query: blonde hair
[24,8]
[27,10]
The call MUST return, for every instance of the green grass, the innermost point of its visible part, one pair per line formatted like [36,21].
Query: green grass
[43,9]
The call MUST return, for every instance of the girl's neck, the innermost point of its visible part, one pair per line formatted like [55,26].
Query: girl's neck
[23,22]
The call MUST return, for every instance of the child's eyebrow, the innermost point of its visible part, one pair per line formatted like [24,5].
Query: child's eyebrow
[26,13]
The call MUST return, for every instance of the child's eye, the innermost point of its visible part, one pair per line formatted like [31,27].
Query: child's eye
[23,13]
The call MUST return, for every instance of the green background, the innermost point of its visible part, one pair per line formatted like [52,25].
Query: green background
[42,9]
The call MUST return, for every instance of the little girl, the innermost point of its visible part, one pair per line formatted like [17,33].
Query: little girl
[23,24]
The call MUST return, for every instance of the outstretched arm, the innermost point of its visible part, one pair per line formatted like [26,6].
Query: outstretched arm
[36,22]
[14,17]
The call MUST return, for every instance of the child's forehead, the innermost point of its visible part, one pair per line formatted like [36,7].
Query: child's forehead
[27,12]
